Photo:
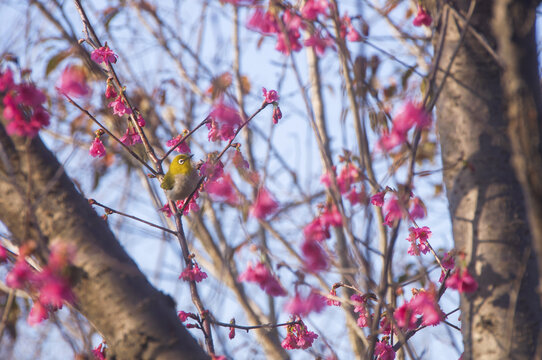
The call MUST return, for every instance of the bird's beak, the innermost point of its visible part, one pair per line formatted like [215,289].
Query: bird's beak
[191,156]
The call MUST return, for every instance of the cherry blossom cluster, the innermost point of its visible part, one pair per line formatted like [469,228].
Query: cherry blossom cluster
[261,275]
[23,106]
[314,256]
[304,305]
[409,116]
[272,97]
[192,272]
[224,122]
[298,336]
[73,82]
[51,285]
[287,27]
[348,180]
[395,206]
[361,308]
[182,148]
[423,304]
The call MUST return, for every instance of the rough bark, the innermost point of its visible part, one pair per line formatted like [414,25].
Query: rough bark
[138,321]
[514,30]
[501,320]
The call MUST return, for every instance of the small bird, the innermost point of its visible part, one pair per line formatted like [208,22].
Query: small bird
[181,178]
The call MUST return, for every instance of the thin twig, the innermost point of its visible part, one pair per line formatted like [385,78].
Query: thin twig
[109,210]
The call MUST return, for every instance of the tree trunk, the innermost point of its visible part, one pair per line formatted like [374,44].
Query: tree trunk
[136,320]
[501,320]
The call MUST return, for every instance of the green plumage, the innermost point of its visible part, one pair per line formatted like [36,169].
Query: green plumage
[168,182]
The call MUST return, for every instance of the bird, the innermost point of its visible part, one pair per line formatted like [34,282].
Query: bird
[181,178]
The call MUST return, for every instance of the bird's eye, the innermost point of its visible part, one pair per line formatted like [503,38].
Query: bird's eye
[181,161]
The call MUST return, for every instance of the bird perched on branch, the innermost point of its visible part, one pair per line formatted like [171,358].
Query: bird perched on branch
[181,178]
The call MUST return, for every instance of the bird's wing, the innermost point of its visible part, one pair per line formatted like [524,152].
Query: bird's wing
[168,182]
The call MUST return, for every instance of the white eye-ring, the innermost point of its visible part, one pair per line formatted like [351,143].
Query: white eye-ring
[181,161]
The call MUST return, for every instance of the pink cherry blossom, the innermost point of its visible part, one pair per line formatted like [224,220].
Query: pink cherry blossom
[352,34]
[319,43]
[422,17]
[349,175]
[212,169]
[223,189]
[264,205]
[225,120]
[410,115]
[261,275]
[356,197]
[326,178]
[462,281]
[182,316]
[97,149]
[425,304]
[305,339]
[378,198]
[316,230]
[34,117]
[6,80]
[55,290]
[298,337]
[166,210]
[405,316]
[360,303]
[385,325]
[28,94]
[140,121]
[417,209]
[119,107]
[183,148]
[19,275]
[3,254]
[289,342]
[270,96]
[384,351]
[393,211]
[290,41]
[193,273]
[104,54]
[422,234]
[314,257]
[263,22]
[313,8]
[37,314]
[131,137]
[73,82]
[389,140]
[331,217]
[192,205]
[110,91]
[303,306]
[332,302]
